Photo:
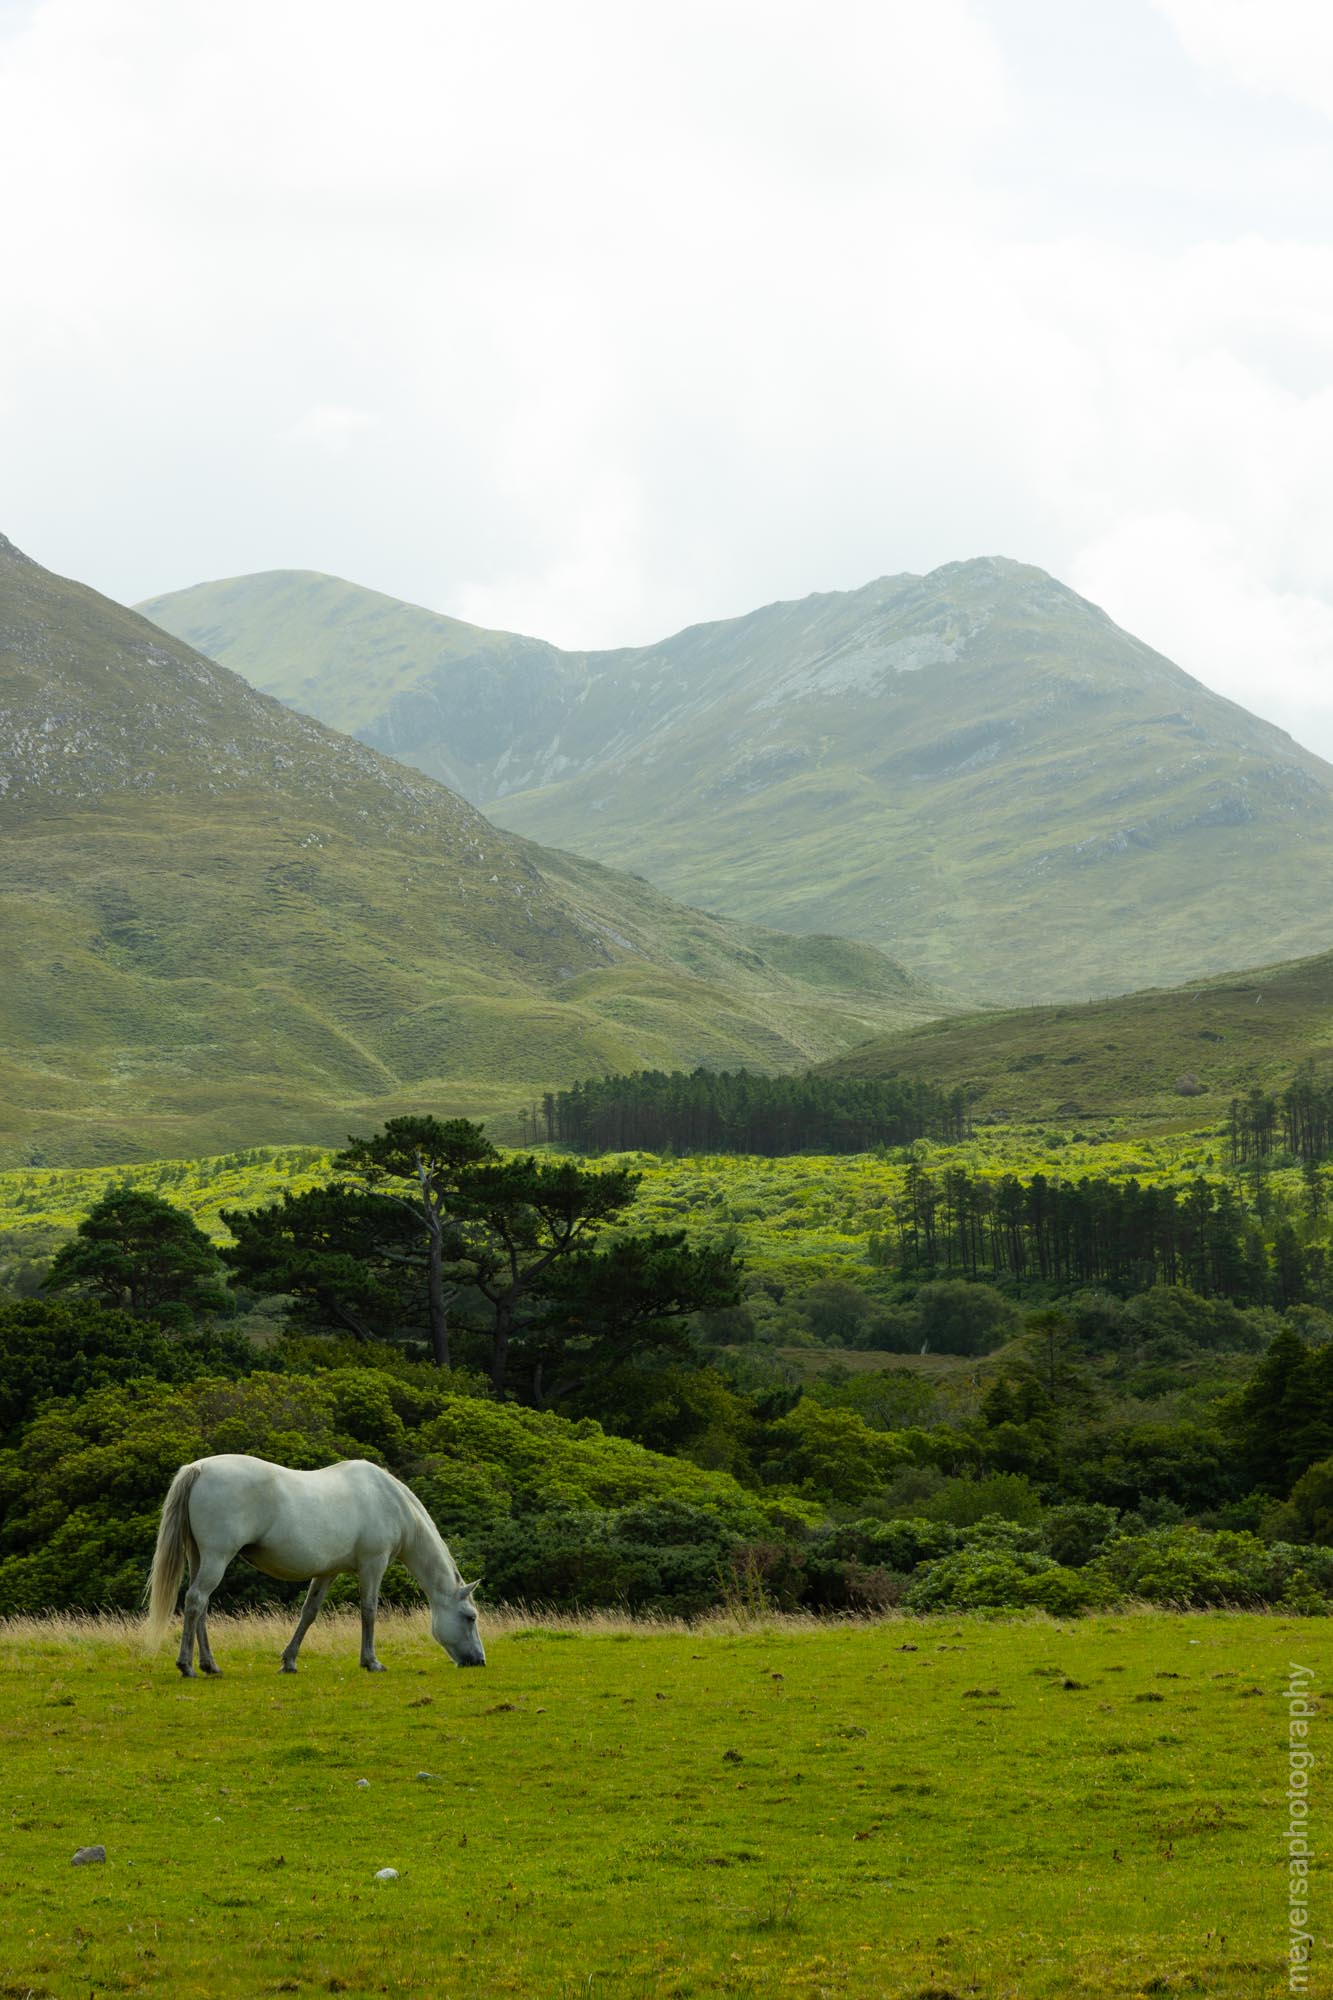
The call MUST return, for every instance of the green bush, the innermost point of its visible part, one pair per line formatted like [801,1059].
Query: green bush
[663,1556]
[901,1546]
[1189,1464]
[72,1347]
[1077,1531]
[963,1502]
[535,1461]
[829,1454]
[1186,1567]
[992,1577]
[1311,1502]
[956,1317]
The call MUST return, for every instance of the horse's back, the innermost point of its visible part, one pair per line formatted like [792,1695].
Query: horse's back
[293,1522]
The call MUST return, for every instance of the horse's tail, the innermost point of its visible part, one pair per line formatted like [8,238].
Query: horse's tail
[176,1547]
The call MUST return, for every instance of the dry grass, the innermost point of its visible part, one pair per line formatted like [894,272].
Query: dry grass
[336,1630]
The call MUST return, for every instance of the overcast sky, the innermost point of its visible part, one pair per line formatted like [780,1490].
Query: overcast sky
[592,318]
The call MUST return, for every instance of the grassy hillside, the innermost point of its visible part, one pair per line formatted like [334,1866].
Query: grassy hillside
[223,923]
[445,696]
[1173,1057]
[699,1811]
[975,770]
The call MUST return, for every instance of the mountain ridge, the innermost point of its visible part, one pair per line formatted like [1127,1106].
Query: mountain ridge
[975,769]
[224,922]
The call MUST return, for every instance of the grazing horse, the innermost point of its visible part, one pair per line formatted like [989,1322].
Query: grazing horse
[294,1525]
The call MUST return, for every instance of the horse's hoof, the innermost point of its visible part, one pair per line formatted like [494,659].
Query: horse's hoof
[186,1673]
[372,1666]
[287,1667]
[214,1673]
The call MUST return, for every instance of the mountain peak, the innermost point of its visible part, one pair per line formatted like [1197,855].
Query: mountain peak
[974,769]
[979,567]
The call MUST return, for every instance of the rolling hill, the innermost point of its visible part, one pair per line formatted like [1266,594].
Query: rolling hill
[223,922]
[1164,1057]
[975,770]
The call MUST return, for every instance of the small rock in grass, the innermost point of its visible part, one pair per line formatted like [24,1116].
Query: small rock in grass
[363,1784]
[89,1854]
[425,1777]
[386,1874]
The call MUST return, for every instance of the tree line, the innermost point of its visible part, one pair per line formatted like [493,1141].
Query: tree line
[1297,1120]
[737,1111]
[1118,1234]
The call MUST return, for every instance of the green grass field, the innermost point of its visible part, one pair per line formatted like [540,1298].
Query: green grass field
[908,1808]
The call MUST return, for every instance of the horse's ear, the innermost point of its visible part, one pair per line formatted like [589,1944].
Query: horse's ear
[468,1588]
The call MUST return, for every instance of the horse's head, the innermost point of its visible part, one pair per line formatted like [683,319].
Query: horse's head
[454,1623]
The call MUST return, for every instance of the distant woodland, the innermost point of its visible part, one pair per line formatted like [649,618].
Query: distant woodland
[735,1111]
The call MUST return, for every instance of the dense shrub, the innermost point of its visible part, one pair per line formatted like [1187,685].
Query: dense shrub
[1075,1532]
[479,1459]
[829,1454]
[965,1501]
[663,1556]
[885,1398]
[1171,1316]
[1186,1463]
[1311,1502]
[1186,1567]
[956,1317]
[991,1576]
[837,1312]
[80,1492]
[895,1545]
[71,1347]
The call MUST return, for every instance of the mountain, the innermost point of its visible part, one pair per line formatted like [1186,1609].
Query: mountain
[1173,1057]
[223,922]
[975,770]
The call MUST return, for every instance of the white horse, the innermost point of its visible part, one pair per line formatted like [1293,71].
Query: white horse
[293,1525]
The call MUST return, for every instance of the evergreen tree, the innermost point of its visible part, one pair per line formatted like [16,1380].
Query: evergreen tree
[348,1258]
[136,1251]
[422,1164]
[1269,1412]
[604,1308]
[516,1219]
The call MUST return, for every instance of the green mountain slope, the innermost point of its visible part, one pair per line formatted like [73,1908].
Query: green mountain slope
[222,922]
[975,770]
[1174,1056]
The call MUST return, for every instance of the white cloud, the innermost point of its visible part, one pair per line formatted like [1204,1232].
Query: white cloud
[1199,592]
[1283,46]
[595,320]
[329,427]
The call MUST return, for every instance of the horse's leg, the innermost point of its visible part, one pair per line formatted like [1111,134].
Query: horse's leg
[310,1610]
[204,1580]
[369,1577]
[207,1664]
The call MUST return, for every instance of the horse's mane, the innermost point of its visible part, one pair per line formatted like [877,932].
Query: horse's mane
[422,1512]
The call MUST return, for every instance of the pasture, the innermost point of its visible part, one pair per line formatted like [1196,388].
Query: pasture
[908,1808]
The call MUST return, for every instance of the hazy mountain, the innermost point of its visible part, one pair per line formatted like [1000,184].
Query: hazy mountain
[222,922]
[975,769]
[1173,1056]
